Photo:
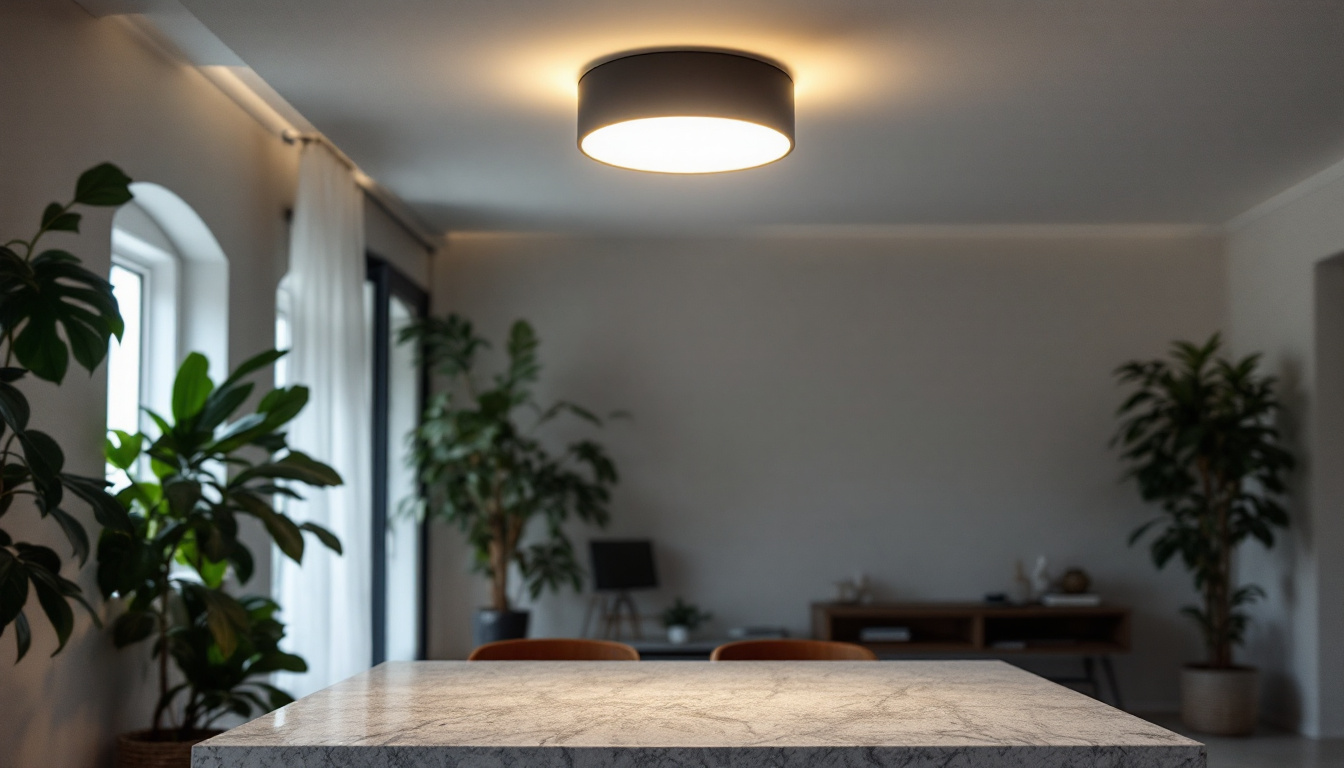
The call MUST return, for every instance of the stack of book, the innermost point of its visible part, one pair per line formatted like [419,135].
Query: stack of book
[1061,600]
[884,635]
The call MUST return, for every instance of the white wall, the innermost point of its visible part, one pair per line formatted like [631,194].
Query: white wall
[1285,302]
[88,91]
[928,410]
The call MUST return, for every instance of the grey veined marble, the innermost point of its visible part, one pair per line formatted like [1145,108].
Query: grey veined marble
[911,714]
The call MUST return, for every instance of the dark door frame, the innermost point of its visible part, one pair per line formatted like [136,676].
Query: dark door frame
[388,282]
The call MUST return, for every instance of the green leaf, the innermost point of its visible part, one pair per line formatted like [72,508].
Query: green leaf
[39,348]
[221,404]
[254,363]
[159,421]
[13,587]
[23,636]
[106,509]
[225,618]
[294,466]
[240,433]
[56,219]
[53,604]
[191,387]
[43,455]
[124,563]
[212,572]
[125,451]
[74,533]
[62,293]
[132,627]
[13,407]
[286,534]
[282,405]
[243,566]
[325,536]
[39,557]
[182,495]
[103,185]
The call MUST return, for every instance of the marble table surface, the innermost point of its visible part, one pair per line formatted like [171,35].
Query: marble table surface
[912,714]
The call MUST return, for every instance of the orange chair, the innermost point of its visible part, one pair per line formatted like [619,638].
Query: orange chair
[554,649]
[791,650]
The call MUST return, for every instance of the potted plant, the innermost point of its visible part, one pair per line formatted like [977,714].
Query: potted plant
[1198,437]
[681,619]
[489,475]
[205,470]
[51,308]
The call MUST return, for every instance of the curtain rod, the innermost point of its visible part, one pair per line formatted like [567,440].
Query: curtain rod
[371,188]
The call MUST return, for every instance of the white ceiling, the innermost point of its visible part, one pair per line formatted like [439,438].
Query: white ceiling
[909,111]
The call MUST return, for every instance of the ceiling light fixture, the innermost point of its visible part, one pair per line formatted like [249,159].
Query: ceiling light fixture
[686,112]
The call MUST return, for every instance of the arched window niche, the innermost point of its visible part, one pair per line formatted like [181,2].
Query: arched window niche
[172,279]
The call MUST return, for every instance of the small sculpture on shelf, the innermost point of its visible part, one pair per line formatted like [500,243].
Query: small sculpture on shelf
[856,589]
[1075,581]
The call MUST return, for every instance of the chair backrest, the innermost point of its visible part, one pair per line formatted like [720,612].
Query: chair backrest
[554,649]
[791,650]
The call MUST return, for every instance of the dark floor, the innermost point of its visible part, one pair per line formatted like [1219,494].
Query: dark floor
[1268,748]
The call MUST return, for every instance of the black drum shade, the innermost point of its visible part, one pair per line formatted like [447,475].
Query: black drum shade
[686,112]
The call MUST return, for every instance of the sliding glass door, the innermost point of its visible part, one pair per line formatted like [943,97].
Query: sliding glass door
[398,385]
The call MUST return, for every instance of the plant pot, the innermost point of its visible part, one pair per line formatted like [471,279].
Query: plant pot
[138,750]
[1221,702]
[490,625]
[678,634]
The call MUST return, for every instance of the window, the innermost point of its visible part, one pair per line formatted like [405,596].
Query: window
[170,278]
[140,366]
[398,388]
[125,358]
[402,559]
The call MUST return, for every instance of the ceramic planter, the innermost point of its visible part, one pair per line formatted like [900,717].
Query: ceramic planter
[490,625]
[678,634]
[1221,702]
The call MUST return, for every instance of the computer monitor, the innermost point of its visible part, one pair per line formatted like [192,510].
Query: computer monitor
[622,565]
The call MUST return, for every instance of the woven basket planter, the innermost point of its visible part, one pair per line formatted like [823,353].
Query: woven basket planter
[137,750]
[1221,702]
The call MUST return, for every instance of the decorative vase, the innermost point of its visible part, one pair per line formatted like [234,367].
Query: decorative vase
[678,634]
[139,749]
[490,625]
[1221,702]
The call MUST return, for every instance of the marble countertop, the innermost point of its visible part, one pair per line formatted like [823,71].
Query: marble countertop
[951,714]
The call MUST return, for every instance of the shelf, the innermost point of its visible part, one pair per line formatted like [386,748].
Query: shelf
[973,628]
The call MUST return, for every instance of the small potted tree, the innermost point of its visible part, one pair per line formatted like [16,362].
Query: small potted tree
[487,473]
[187,488]
[1198,436]
[681,619]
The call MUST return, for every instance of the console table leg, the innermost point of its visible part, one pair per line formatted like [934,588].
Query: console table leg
[1107,668]
[1090,675]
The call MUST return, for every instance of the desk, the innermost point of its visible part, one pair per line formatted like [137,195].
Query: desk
[903,714]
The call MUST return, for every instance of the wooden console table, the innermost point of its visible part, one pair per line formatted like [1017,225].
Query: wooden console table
[983,629]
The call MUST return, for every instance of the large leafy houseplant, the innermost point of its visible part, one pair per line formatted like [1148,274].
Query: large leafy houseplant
[207,469]
[1199,439]
[51,308]
[489,475]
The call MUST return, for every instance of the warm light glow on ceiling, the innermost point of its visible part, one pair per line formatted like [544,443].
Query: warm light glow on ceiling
[686,144]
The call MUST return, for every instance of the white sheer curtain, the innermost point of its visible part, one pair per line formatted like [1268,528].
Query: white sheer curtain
[327,602]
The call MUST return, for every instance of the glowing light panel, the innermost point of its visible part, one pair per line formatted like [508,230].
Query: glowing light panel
[686,144]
